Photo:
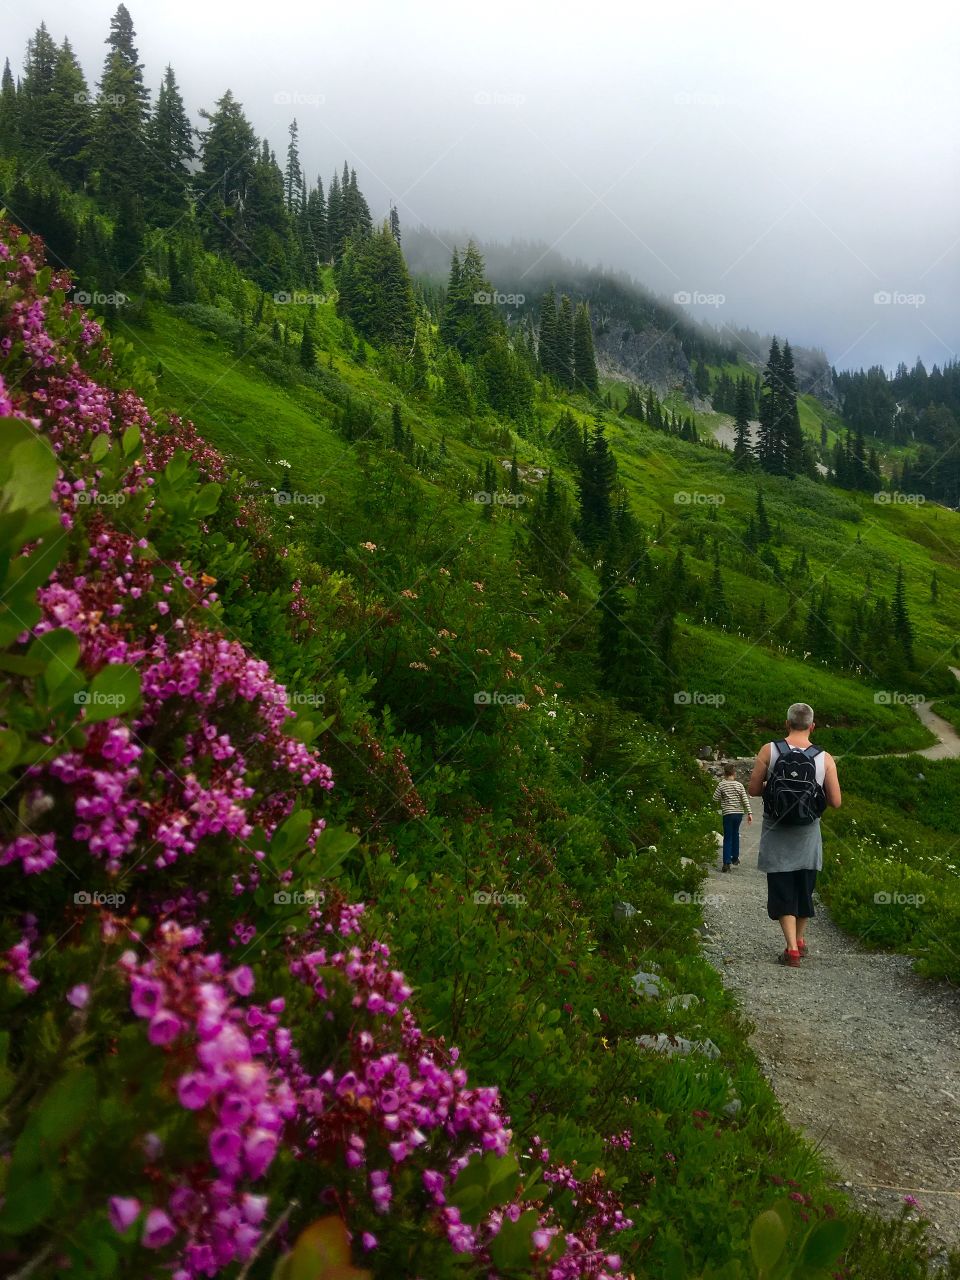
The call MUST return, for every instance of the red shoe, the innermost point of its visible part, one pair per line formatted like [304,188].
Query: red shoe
[790,958]
[801,947]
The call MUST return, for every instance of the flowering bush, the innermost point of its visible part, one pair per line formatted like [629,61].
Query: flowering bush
[207,1050]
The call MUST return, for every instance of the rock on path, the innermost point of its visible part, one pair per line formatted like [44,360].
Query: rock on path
[863,1054]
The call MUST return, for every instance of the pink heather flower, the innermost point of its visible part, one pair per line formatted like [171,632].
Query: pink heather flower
[158,1230]
[144,997]
[911,1202]
[241,979]
[368,1240]
[79,995]
[123,1212]
[194,1090]
[225,1146]
[164,1027]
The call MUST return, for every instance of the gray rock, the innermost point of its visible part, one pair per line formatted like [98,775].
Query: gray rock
[623,910]
[677,1046]
[647,984]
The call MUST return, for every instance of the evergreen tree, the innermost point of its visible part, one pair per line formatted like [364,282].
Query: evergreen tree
[228,158]
[293,192]
[317,217]
[901,625]
[743,406]
[546,545]
[764,532]
[308,351]
[396,422]
[37,108]
[565,373]
[9,113]
[598,473]
[547,351]
[469,319]
[170,141]
[584,358]
[72,119]
[395,223]
[120,156]
[375,292]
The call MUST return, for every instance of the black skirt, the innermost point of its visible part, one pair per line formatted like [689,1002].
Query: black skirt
[790,893]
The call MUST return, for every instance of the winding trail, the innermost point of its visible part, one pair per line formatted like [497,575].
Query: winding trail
[863,1054]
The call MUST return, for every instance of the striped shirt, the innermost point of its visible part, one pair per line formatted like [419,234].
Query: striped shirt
[732,796]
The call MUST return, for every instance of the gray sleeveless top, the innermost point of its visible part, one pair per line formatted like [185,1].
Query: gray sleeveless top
[791,848]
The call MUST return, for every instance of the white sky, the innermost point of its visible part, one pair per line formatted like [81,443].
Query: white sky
[795,160]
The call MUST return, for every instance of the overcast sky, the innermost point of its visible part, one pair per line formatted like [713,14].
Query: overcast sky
[788,163]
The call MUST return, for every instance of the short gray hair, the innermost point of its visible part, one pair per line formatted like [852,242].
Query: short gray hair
[800,715]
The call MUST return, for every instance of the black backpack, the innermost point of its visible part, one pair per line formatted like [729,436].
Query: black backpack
[792,796]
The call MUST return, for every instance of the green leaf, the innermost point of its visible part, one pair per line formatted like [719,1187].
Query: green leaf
[291,835]
[333,845]
[60,651]
[511,1246]
[208,498]
[176,467]
[825,1243]
[115,690]
[69,1105]
[100,447]
[768,1238]
[29,1201]
[130,439]
[9,749]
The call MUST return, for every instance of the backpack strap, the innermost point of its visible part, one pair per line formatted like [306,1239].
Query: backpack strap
[783,746]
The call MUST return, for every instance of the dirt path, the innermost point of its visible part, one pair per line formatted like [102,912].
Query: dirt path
[863,1055]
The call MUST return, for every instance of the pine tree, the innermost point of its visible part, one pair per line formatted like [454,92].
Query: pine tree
[764,532]
[565,342]
[584,359]
[900,618]
[308,351]
[742,445]
[395,223]
[170,141]
[598,472]
[293,193]
[37,107]
[72,119]
[9,113]
[228,157]
[120,156]
[317,216]
[547,353]
[375,292]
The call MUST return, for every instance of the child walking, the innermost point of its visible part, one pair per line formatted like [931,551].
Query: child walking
[734,803]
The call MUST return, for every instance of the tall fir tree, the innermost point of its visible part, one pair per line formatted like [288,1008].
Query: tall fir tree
[743,407]
[900,618]
[293,193]
[170,142]
[120,156]
[584,357]
[9,113]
